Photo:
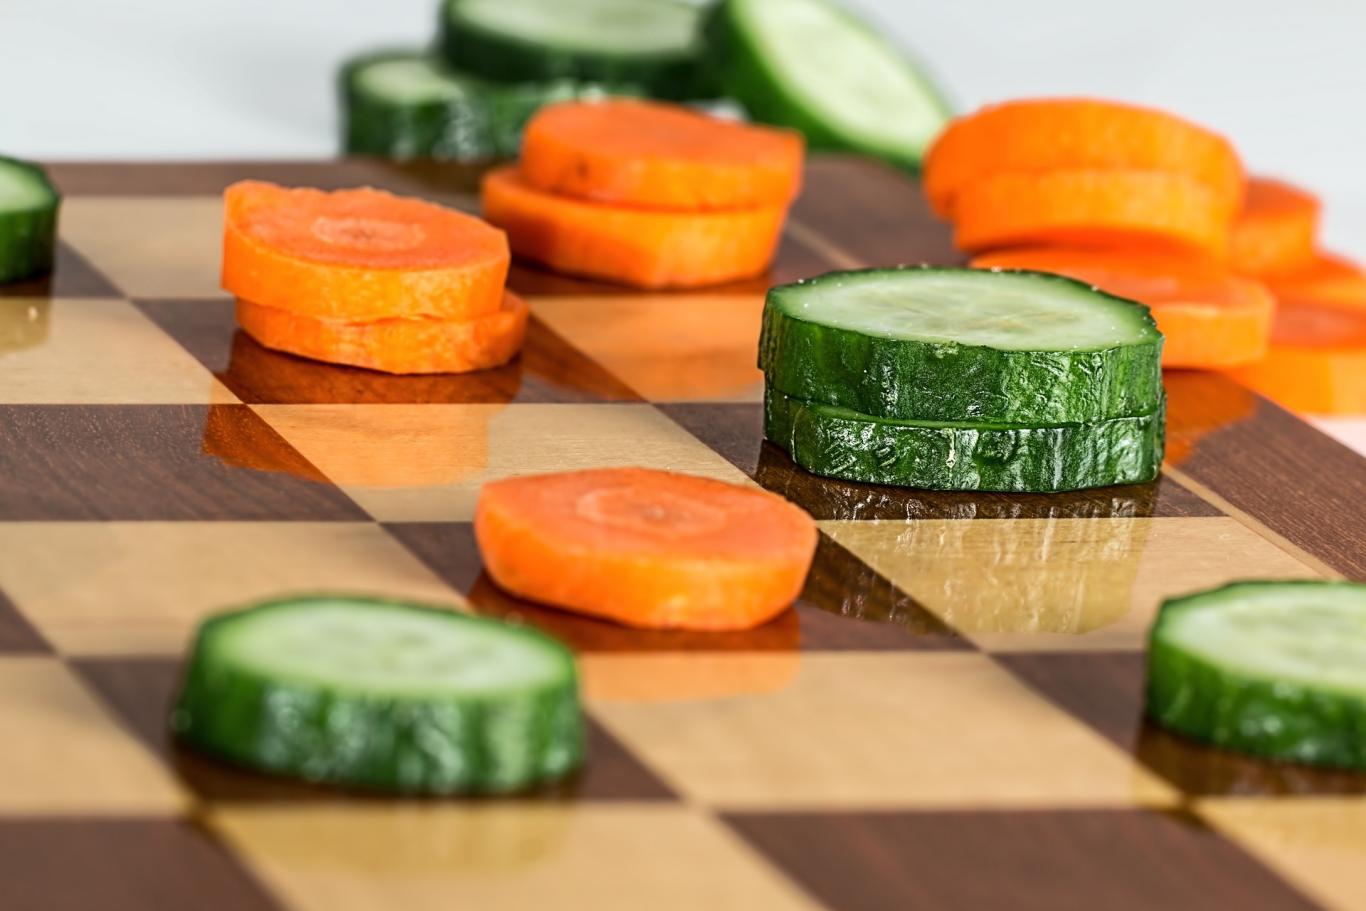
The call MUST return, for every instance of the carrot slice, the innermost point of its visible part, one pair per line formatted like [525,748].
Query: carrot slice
[359,254]
[1316,363]
[393,345]
[661,156]
[1112,209]
[631,246]
[1326,280]
[1042,134]
[1274,233]
[646,548]
[1210,317]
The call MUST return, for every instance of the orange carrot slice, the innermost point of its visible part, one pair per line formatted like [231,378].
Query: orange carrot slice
[359,254]
[1210,318]
[1326,280]
[631,246]
[1317,360]
[393,345]
[1112,209]
[1274,233]
[1042,134]
[661,156]
[646,548]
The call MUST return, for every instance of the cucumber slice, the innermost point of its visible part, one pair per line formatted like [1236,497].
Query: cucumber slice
[840,443]
[654,44]
[382,695]
[943,344]
[28,220]
[811,65]
[407,104]
[1275,669]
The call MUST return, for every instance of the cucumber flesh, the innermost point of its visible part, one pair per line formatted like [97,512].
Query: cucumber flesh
[947,344]
[812,65]
[407,104]
[941,455]
[625,27]
[651,44]
[382,695]
[410,79]
[1275,669]
[28,220]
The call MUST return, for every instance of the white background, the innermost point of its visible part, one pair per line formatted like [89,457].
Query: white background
[255,78]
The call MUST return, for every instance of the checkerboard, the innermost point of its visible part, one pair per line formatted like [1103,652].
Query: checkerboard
[950,718]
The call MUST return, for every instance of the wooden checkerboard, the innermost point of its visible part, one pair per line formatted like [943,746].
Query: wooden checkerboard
[949,719]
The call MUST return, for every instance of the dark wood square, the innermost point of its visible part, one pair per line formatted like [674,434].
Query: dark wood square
[79,864]
[1024,860]
[170,462]
[1106,690]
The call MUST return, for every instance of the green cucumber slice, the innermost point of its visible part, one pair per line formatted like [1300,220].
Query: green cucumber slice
[840,443]
[28,220]
[1274,669]
[384,695]
[812,65]
[945,344]
[654,44]
[406,104]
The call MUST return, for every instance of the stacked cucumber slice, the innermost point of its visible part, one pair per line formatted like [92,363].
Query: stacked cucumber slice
[811,65]
[963,379]
[653,44]
[382,695]
[28,220]
[814,66]
[1274,669]
[407,104]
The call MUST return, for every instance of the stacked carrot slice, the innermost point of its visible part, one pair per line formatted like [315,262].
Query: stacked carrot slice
[369,279]
[1135,201]
[646,194]
[1148,206]
[1317,358]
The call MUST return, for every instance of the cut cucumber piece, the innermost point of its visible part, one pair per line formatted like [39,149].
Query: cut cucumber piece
[812,65]
[943,344]
[407,104]
[654,44]
[382,695]
[28,220]
[1275,669]
[839,443]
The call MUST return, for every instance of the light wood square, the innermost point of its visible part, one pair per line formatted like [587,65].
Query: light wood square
[1061,584]
[426,462]
[150,246]
[883,730]
[95,352]
[1316,844]
[142,587]
[63,754]
[503,855]
[668,348]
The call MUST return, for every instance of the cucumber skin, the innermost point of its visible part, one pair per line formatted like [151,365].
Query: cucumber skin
[908,380]
[502,58]
[841,444]
[1276,720]
[28,239]
[738,69]
[484,125]
[400,746]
